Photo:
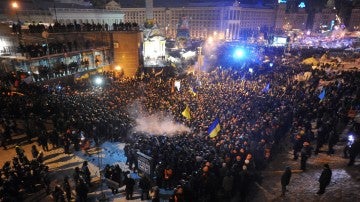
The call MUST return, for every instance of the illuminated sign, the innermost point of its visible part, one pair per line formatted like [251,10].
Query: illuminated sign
[280,41]
[282,1]
[145,163]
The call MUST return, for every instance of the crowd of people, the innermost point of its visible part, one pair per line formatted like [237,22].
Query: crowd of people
[256,110]
[22,176]
[58,27]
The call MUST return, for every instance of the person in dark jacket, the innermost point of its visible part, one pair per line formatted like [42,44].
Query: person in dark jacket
[86,173]
[81,191]
[145,185]
[285,180]
[354,151]
[129,187]
[67,188]
[324,179]
[34,152]
[305,154]
[227,184]
[58,194]
[43,141]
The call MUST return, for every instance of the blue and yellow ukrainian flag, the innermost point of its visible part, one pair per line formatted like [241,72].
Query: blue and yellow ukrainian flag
[214,128]
[186,112]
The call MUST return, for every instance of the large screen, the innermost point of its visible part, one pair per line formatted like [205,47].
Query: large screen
[280,41]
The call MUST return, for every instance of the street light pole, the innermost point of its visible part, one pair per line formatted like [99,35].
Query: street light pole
[15,6]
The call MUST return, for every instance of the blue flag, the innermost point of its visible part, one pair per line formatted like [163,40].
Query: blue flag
[322,94]
[214,128]
[243,77]
[267,88]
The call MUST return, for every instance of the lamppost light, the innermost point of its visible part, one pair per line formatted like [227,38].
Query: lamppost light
[15,4]
[117,68]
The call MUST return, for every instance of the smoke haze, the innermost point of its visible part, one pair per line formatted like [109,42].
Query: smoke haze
[158,123]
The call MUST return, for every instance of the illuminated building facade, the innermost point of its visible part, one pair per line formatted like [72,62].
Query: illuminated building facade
[205,19]
[285,20]
[69,15]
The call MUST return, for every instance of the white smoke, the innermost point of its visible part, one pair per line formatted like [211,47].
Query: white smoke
[158,123]
[210,52]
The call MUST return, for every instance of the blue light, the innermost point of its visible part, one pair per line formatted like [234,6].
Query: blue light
[351,139]
[251,70]
[302,5]
[271,64]
[98,81]
[239,53]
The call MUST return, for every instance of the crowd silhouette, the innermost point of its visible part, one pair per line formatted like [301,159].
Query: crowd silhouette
[58,27]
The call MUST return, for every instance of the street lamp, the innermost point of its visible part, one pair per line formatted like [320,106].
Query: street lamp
[15,6]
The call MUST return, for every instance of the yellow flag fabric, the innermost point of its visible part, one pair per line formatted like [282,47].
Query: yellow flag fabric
[186,112]
[192,92]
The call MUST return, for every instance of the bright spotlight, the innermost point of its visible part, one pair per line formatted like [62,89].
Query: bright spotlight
[210,39]
[251,70]
[117,68]
[271,64]
[98,81]
[239,53]
[15,5]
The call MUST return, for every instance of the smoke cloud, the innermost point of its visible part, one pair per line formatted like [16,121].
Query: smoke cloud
[158,123]
[210,52]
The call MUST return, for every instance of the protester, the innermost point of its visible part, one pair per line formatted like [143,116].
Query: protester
[129,187]
[305,155]
[325,179]
[145,185]
[67,188]
[81,191]
[58,194]
[85,172]
[285,180]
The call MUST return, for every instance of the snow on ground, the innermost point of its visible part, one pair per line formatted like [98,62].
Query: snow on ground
[109,153]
